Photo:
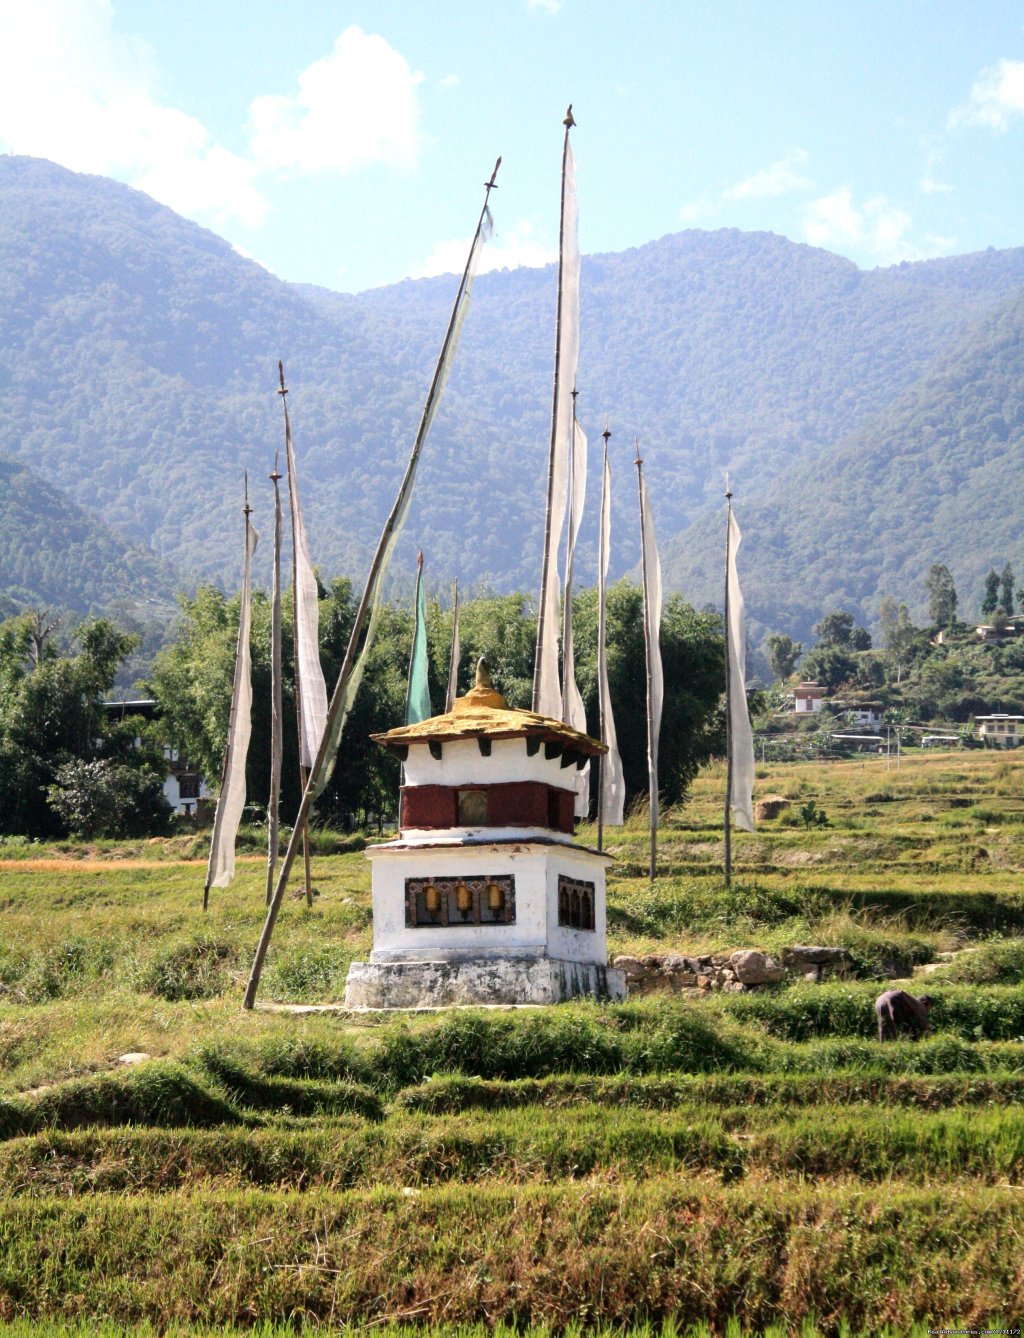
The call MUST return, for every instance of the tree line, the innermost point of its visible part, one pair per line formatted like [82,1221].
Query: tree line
[66,766]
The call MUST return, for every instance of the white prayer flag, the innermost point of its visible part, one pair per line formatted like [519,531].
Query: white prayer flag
[309,673]
[456,655]
[547,693]
[741,741]
[652,628]
[613,788]
[221,866]
[573,712]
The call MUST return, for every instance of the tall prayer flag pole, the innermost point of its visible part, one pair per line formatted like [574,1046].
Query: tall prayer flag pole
[547,695]
[739,764]
[651,565]
[417,692]
[728,696]
[454,656]
[573,711]
[610,787]
[355,655]
[220,867]
[310,691]
[276,741]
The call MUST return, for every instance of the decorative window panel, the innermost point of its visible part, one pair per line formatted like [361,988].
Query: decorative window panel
[434,902]
[576,903]
[472,808]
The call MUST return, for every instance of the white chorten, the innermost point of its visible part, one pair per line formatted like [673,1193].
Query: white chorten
[485,897]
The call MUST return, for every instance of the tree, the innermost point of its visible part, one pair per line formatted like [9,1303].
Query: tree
[102,798]
[941,595]
[52,717]
[693,658]
[835,629]
[991,600]
[830,665]
[898,633]
[783,653]
[1006,581]
[860,639]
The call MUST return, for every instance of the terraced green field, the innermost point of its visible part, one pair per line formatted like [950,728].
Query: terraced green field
[750,1162]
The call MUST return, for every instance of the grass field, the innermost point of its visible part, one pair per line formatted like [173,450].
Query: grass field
[742,1162]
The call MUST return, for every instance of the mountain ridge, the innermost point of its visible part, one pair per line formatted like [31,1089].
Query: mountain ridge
[138,374]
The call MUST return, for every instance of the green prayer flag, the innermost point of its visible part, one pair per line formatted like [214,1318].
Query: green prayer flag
[418,699]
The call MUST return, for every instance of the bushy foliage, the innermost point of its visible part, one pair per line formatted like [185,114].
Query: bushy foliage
[196,968]
[104,798]
[64,767]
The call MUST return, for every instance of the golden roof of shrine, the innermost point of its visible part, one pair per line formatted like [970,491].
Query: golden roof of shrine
[483,713]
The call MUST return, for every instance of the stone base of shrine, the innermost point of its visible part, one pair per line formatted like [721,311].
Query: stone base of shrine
[479,980]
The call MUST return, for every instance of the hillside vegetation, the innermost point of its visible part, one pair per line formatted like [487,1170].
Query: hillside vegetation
[54,553]
[756,1155]
[138,374]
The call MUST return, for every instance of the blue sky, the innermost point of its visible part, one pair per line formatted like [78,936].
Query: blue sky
[346,143]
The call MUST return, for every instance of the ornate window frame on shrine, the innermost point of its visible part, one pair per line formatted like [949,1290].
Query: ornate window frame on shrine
[576,904]
[434,903]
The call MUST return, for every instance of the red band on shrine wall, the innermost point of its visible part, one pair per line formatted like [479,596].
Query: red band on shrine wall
[513,804]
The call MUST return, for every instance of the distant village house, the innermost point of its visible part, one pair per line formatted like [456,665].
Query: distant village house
[808,698]
[184,788]
[1000,731]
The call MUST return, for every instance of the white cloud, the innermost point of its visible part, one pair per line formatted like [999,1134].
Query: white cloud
[353,107]
[75,91]
[997,95]
[930,182]
[694,210]
[450,81]
[778,179]
[877,229]
[517,247]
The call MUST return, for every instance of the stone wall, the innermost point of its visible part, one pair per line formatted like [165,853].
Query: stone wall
[745,969]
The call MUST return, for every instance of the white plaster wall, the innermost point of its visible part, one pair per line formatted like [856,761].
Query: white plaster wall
[462,763]
[578,945]
[429,835]
[536,931]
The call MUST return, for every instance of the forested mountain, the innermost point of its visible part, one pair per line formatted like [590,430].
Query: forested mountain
[138,375]
[53,552]
[937,476]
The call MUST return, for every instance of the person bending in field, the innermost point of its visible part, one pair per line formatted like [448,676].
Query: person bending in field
[900,1013]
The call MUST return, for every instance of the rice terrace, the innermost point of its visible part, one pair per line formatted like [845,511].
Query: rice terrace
[693,1157]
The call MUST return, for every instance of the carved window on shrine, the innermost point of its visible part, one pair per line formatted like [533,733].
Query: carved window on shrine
[576,900]
[436,902]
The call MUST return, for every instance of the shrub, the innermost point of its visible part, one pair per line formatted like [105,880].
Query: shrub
[105,798]
[999,963]
[246,1086]
[156,1094]
[195,969]
[51,973]
[309,972]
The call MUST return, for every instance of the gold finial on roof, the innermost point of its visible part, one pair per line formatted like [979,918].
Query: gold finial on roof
[483,695]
